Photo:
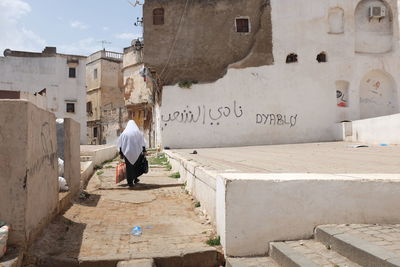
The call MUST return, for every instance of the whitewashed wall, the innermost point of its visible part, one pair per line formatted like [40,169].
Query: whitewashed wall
[285,103]
[32,74]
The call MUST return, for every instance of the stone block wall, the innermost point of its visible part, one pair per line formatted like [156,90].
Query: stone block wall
[72,154]
[28,164]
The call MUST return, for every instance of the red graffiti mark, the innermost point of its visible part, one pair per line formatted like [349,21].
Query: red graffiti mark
[342,104]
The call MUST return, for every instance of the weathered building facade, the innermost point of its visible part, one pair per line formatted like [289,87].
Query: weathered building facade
[268,72]
[105,99]
[140,93]
[58,77]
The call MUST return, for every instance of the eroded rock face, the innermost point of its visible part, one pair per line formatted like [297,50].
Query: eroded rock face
[199,39]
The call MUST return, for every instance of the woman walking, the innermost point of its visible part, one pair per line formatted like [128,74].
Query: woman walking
[132,148]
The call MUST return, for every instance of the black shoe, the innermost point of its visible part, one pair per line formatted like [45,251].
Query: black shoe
[137,181]
[131,185]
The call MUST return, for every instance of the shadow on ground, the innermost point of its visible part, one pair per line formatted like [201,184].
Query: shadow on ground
[60,236]
[141,187]
[88,200]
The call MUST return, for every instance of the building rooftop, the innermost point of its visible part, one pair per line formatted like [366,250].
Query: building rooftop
[48,51]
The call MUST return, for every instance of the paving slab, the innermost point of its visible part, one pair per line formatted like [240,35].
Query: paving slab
[98,226]
[378,241]
[319,254]
[251,262]
[330,157]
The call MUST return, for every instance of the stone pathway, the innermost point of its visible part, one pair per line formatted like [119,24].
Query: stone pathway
[98,226]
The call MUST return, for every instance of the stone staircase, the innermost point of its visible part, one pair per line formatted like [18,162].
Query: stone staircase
[334,245]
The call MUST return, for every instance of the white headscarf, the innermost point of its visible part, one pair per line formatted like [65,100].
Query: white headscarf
[131,142]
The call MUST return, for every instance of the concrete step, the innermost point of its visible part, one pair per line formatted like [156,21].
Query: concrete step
[251,262]
[350,243]
[307,253]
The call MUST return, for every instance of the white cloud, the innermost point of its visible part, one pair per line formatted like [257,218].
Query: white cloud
[105,28]
[78,25]
[127,36]
[85,47]
[14,35]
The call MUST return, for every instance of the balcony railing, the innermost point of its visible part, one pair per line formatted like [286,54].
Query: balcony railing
[105,55]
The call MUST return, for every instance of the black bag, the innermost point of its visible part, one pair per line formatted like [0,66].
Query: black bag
[144,165]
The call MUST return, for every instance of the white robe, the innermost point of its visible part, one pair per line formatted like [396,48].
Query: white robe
[131,142]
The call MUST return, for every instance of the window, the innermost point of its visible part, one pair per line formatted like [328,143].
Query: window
[95,74]
[291,58]
[158,16]
[322,57]
[89,107]
[72,72]
[70,107]
[95,132]
[242,25]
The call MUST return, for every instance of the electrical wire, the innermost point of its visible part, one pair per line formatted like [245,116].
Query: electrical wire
[175,39]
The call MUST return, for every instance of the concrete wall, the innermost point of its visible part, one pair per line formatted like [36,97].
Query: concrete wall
[287,103]
[34,72]
[72,155]
[255,209]
[380,130]
[99,154]
[198,40]
[28,160]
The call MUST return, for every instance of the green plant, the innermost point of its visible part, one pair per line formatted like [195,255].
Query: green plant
[108,167]
[175,175]
[197,204]
[168,166]
[107,161]
[216,241]
[98,167]
[187,83]
[161,159]
[99,172]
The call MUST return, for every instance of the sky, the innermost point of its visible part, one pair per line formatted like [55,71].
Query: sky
[73,26]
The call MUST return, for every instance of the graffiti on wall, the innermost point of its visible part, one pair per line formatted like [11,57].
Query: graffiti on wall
[342,93]
[274,119]
[341,98]
[203,114]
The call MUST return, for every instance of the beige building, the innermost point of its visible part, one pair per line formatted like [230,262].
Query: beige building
[140,93]
[105,98]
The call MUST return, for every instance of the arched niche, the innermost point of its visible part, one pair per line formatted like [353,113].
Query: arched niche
[336,20]
[373,33]
[378,95]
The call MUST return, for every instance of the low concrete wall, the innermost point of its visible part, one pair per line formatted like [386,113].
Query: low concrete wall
[99,153]
[199,182]
[87,170]
[385,129]
[255,209]
[72,155]
[28,164]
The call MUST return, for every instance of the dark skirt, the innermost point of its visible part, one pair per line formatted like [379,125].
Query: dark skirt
[133,171]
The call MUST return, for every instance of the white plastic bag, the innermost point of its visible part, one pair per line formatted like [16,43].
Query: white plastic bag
[62,184]
[60,167]
[3,239]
